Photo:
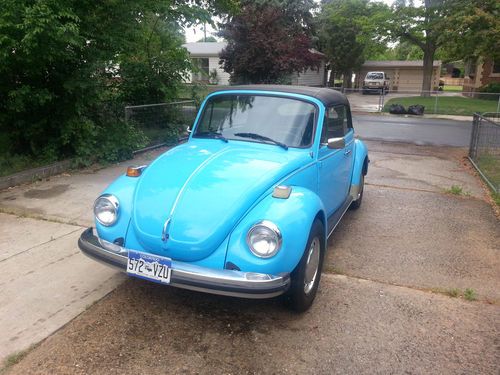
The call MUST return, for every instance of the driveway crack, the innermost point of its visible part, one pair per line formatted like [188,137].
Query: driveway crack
[439,291]
[40,244]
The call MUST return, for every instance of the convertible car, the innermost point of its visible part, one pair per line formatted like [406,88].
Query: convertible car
[243,208]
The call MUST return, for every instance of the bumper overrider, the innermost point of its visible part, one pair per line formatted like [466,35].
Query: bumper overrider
[188,276]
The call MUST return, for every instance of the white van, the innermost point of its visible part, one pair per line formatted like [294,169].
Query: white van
[377,82]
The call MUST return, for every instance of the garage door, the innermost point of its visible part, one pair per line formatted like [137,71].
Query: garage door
[410,79]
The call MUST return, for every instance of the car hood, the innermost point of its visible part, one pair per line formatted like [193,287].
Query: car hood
[203,188]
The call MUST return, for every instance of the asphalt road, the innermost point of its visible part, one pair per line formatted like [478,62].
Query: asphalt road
[420,131]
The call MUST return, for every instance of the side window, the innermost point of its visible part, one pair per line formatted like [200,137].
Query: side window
[337,123]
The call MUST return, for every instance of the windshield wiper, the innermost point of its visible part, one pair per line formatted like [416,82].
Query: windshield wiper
[262,138]
[211,135]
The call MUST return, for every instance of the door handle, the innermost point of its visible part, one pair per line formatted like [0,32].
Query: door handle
[347,152]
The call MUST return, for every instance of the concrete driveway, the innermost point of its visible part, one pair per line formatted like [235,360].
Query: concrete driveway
[44,279]
[371,102]
[390,300]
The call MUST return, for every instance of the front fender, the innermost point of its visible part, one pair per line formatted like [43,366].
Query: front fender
[360,162]
[293,216]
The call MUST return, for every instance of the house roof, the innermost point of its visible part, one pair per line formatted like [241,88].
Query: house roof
[201,49]
[205,48]
[398,64]
[326,95]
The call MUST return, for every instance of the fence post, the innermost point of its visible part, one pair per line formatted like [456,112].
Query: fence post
[498,105]
[473,137]
[436,103]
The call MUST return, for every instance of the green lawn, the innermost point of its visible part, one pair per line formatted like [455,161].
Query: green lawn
[490,166]
[446,105]
[452,88]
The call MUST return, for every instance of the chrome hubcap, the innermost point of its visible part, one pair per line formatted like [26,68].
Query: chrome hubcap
[312,265]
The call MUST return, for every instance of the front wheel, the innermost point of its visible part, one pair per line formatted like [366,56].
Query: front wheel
[305,278]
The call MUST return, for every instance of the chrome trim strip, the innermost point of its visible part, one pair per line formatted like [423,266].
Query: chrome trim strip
[164,232]
[341,216]
[229,294]
[189,276]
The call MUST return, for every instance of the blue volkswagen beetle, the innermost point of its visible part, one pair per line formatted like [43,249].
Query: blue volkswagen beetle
[245,207]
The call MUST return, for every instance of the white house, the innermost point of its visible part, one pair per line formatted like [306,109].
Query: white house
[205,56]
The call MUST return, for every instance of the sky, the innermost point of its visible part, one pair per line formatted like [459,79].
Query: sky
[193,34]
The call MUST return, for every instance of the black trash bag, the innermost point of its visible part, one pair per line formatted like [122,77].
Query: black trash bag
[416,109]
[397,109]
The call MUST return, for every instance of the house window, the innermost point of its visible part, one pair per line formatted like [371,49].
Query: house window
[200,69]
[496,67]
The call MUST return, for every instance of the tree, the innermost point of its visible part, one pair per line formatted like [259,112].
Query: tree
[268,41]
[435,24]
[401,51]
[445,29]
[348,34]
[67,67]
[208,39]
[473,30]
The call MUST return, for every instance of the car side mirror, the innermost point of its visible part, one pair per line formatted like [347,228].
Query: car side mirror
[336,143]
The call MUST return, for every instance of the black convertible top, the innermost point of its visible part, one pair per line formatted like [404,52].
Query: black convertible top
[326,95]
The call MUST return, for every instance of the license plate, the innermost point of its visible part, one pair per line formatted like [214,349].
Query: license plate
[150,267]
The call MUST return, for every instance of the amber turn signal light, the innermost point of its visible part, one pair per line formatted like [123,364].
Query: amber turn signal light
[135,171]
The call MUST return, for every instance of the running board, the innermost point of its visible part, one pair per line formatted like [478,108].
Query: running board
[335,218]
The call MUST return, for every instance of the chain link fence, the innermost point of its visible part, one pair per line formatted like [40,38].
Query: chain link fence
[484,151]
[162,123]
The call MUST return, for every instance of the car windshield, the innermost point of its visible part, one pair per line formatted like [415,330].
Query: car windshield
[275,120]
[375,76]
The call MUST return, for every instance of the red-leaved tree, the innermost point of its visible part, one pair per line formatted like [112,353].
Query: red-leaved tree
[268,41]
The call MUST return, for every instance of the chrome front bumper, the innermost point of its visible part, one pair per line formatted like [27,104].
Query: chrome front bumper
[188,276]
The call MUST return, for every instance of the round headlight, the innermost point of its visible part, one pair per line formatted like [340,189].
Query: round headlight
[106,209]
[264,239]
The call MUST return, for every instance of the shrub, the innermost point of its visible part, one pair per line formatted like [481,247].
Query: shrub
[491,88]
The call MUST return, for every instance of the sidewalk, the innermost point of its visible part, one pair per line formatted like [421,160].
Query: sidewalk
[428,116]
[369,104]
[45,281]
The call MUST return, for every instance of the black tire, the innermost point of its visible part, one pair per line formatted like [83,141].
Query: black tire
[357,203]
[298,299]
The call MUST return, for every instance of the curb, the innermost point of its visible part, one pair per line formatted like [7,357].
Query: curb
[427,116]
[31,175]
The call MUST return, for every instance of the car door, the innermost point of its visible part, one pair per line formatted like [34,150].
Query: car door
[334,166]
